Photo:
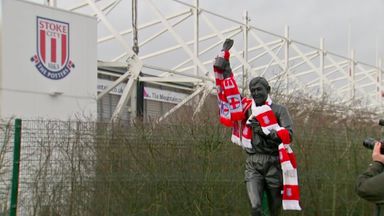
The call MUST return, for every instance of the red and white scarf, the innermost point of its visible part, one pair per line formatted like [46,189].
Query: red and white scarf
[268,122]
[245,130]
[228,95]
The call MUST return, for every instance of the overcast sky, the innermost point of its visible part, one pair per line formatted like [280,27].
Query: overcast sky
[308,20]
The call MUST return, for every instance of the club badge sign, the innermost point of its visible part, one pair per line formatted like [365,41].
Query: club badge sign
[52,58]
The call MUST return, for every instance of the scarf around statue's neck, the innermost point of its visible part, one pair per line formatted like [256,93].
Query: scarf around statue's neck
[268,121]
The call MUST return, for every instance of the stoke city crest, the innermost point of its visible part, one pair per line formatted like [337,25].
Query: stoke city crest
[52,48]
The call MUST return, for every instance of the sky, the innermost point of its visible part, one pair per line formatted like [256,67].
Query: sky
[344,24]
[309,20]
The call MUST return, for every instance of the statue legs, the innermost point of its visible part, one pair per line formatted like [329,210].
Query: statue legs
[263,173]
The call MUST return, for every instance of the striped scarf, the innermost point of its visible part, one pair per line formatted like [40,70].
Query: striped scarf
[268,122]
[228,95]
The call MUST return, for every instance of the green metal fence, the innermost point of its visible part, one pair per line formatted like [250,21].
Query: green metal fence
[16,168]
[188,168]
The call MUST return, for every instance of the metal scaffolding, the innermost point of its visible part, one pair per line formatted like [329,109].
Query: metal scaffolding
[178,41]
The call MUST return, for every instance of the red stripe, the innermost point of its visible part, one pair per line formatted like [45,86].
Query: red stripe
[246,103]
[283,155]
[226,55]
[42,45]
[63,48]
[226,122]
[235,116]
[284,136]
[291,192]
[222,96]
[247,132]
[53,50]
[232,91]
[292,158]
[267,118]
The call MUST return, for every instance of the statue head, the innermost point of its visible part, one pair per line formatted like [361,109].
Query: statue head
[259,88]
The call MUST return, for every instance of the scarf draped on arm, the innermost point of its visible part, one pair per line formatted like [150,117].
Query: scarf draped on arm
[228,96]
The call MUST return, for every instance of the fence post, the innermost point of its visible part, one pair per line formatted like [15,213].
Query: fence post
[16,166]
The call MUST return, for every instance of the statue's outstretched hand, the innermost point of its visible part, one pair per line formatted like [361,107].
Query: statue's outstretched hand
[227,45]
[222,61]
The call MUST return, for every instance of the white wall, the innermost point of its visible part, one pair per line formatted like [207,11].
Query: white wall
[24,91]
